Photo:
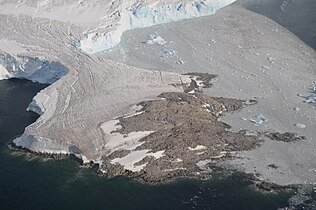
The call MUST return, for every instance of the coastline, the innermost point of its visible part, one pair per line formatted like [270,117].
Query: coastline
[256,65]
[250,65]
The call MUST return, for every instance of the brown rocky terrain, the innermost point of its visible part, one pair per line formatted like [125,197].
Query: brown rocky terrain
[187,132]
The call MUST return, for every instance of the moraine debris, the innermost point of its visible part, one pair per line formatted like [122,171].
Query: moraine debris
[186,128]
[285,137]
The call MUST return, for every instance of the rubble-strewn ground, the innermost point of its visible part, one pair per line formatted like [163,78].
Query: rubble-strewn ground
[254,58]
[91,111]
[186,134]
[184,139]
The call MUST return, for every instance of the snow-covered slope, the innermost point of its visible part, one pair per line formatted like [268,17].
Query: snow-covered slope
[39,41]
[104,22]
[140,16]
[53,41]
[93,91]
[254,57]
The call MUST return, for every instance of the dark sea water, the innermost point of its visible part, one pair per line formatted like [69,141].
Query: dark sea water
[39,184]
[63,184]
[297,16]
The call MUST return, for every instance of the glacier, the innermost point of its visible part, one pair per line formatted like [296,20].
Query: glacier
[140,17]
[59,25]
[55,42]
[35,69]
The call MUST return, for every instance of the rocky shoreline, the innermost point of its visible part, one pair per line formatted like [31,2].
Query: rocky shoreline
[187,134]
[188,137]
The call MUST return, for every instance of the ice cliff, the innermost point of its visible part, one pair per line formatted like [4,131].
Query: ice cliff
[145,16]
[69,122]
[32,68]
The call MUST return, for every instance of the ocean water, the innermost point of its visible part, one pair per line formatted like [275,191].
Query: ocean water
[32,183]
[28,182]
[297,16]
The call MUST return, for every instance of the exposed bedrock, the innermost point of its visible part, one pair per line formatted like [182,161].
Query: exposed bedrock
[181,137]
[254,57]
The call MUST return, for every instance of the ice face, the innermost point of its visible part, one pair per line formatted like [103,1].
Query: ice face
[139,17]
[32,68]
[105,21]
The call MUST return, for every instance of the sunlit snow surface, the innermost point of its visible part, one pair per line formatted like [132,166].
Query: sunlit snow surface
[142,15]
[105,21]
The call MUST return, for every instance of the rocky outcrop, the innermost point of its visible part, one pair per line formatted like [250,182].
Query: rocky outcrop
[187,136]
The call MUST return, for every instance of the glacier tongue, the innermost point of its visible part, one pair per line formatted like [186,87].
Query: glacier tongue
[139,17]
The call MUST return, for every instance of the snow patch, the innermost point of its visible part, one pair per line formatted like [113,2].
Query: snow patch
[175,169]
[198,147]
[129,160]
[117,141]
[178,160]
[135,110]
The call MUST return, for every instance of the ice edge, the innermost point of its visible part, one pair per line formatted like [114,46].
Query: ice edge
[145,17]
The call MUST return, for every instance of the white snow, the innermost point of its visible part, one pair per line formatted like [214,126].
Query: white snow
[156,39]
[139,16]
[4,74]
[175,169]
[198,147]
[157,154]
[35,69]
[12,47]
[129,160]
[97,89]
[178,160]
[44,104]
[134,111]
[46,145]
[110,126]
[118,141]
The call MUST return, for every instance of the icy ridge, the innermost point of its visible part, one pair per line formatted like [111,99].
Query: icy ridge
[145,17]
[32,68]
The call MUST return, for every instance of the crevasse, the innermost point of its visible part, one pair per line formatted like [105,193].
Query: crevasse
[145,17]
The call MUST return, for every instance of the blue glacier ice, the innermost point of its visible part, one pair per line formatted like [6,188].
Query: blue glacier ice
[145,17]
